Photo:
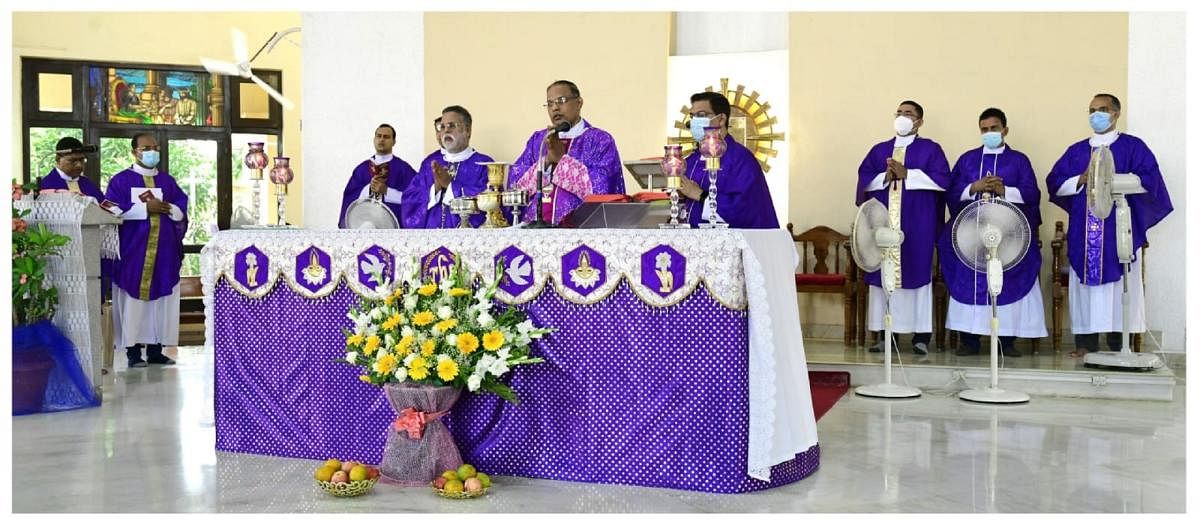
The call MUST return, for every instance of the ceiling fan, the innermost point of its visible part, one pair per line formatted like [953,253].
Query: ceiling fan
[241,65]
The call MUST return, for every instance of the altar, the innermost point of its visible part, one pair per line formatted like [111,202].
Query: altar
[679,363]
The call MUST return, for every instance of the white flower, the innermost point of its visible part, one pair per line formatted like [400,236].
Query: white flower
[504,353]
[445,312]
[352,356]
[452,339]
[498,368]
[473,382]
[484,363]
[446,285]
[389,340]
[481,294]
[410,302]
[443,357]
[485,319]
[522,340]
[376,314]
[406,331]
[408,359]
[401,373]
[525,326]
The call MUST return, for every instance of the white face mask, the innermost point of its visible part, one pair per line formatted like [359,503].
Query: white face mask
[903,125]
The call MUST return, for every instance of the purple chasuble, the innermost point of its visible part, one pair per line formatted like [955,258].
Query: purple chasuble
[400,175]
[595,148]
[922,212]
[1130,155]
[53,181]
[743,199]
[965,284]
[148,245]
[469,180]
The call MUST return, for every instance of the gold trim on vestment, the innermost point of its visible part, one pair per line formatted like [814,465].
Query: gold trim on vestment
[151,247]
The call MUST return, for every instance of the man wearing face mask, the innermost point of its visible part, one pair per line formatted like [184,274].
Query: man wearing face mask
[993,170]
[579,159]
[450,172]
[743,199]
[67,173]
[383,176]
[909,173]
[1095,275]
[146,278]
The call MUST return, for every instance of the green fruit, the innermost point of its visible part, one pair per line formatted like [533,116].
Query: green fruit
[485,479]
[333,463]
[358,473]
[450,474]
[453,486]
[466,471]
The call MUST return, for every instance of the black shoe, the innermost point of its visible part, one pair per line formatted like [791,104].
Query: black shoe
[876,348]
[155,356]
[134,354]
[921,349]
[1009,351]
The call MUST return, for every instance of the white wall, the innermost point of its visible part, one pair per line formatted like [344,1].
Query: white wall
[702,33]
[1155,112]
[360,70]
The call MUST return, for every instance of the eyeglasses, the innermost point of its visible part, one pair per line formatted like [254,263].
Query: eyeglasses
[558,101]
[703,114]
[448,126]
[146,148]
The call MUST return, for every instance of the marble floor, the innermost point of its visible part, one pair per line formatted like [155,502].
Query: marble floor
[149,448]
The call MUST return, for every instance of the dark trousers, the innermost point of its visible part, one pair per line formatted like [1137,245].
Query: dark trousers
[916,338]
[971,341]
[1091,342]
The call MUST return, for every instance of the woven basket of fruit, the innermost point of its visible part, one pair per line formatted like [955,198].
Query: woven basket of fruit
[463,483]
[346,479]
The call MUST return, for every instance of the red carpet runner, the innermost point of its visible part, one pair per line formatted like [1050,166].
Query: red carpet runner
[827,388]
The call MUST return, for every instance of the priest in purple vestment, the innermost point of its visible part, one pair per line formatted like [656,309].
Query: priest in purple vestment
[578,162]
[1095,287]
[918,167]
[450,172]
[993,170]
[383,176]
[67,174]
[146,278]
[743,199]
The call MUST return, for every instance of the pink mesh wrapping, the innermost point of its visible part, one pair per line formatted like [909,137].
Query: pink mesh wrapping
[415,462]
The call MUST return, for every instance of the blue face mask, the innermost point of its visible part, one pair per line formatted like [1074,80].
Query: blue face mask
[1100,121]
[698,125]
[150,158]
[993,139]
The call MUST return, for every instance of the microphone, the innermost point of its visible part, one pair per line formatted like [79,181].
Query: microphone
[561,127]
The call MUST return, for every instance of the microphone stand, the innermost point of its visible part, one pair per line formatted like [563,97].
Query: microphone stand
[541,212]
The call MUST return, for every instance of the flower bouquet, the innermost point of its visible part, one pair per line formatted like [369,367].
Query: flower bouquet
[425,341]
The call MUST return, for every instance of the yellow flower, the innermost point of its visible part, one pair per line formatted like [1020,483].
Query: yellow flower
[372,345]
[405,345]
[418,369]
[459,292]
[354,340]
[427,290]
[467,343]
[423,318]
[365,379]
[386,364]
[493,340]
[396,294]
[446,325]
[393,321]
[427,347]
[447,369]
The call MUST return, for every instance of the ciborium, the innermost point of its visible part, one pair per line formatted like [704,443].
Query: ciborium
[517,200]
[488,201]
[464,207]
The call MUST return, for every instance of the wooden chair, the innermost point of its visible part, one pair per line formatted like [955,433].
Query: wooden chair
[815,276]
[1060,276]
[191,311]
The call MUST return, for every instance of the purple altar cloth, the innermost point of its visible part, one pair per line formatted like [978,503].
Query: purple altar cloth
[625,396]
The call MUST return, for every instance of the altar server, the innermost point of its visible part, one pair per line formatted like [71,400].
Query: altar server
[994,169]
[384,175]
[1095,276]
[146,278]
[67,174]
[917,167]
[451,171]
[580,161]
[743,199]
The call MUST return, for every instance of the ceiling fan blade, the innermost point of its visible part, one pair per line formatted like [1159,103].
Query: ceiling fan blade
[240,54]
[220,67]
[287,104]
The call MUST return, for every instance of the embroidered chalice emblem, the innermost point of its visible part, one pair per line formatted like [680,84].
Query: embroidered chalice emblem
[584,275]
[314,273]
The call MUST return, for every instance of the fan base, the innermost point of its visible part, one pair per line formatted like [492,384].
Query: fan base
[887,390]
[993,395]
[1123,360]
